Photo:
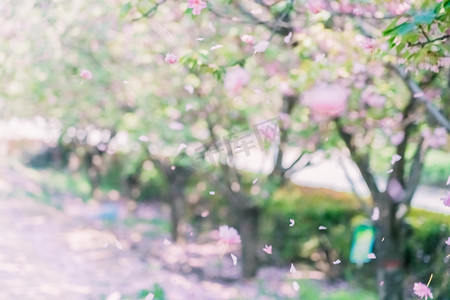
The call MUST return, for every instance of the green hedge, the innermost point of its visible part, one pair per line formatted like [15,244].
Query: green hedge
[340,213]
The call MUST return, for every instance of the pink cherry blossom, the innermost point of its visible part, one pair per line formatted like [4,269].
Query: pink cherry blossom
[422,290]
[397,7]
[229,235]
[367,43]
[316,6]
[268,249]
[326,100]
[248,39]
[446,199]
[437,138]
[86,74]
[235,80]
[372,98]
[197,6]
[171,58]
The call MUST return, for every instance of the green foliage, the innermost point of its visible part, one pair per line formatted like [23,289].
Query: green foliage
[125,9]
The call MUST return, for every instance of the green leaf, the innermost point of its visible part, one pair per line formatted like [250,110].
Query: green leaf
[125,9]
[424,18]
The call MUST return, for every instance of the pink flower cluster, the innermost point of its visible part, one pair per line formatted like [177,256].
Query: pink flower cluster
[316,6]
[372,98]
[437,138]
[171,58]
[229,235]
[422,290]
[248,39]
[86,74]
[235,80]
[197,6]
[446,199]
[326,100]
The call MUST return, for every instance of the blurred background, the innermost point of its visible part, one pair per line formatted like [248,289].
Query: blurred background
[131,131]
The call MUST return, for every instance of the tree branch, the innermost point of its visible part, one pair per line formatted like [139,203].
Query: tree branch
[362,162]
[363,203]
[417,92]
[416,170]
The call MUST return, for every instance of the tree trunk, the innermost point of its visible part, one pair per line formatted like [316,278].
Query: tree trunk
[248,229]
[390,250]
[177,217]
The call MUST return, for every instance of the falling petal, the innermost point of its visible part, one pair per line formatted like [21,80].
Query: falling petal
[390,171]
[118,245]
[256,11]
[292,269]
[254,181]
[336,262]
[205,213]
[287,38]
[150,296]
[292,222]
[167,242]
[200,39]
[189,107]
[296,286]
[143,138]
[375,214]
[371,256]
[181,147]
[215,47]
[448,241]
[212,193]
[322,228]
[268,249]
[395,158]
[261,46]
[448,181]
[234,258]
[189,88]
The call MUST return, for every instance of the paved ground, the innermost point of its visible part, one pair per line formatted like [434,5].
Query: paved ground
[47,253]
